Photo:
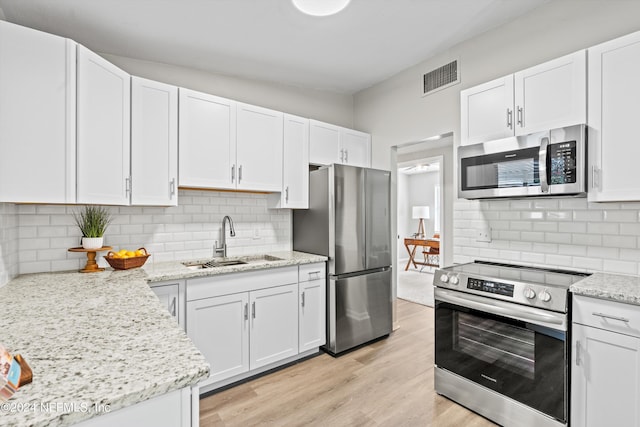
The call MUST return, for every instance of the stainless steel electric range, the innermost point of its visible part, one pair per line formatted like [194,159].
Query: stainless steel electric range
[501,341]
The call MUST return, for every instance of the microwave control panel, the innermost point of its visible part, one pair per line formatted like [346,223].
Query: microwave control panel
[490,287]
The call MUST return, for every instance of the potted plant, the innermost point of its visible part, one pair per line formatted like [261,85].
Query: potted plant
[93,221]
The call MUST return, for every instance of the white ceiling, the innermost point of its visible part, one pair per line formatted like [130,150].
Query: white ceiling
[270,40]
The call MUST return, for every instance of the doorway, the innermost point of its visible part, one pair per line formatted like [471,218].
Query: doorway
[423,174]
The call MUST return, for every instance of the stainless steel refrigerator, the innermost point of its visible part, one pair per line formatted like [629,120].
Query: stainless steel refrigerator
[348,221]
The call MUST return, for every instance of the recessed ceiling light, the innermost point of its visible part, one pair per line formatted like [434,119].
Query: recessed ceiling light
[320,7]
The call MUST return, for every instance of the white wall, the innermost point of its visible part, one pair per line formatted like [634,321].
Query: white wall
[315,104]
[8,242]
[565,232]
[187,231]
[394,111]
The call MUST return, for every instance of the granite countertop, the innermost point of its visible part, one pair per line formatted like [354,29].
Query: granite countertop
[101,339]
[614,287]
[174,270]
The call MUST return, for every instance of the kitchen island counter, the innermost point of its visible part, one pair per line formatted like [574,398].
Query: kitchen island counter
[614,287]
[96,343]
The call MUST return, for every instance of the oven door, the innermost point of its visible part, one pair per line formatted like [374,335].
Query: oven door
[517,351]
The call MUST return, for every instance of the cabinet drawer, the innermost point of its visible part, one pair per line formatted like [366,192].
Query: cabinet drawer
[232,283]
[605,314]
[311,272]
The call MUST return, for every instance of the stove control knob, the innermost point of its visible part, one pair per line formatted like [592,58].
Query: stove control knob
[544,296]
[454,280]
[529,293]
[444,278]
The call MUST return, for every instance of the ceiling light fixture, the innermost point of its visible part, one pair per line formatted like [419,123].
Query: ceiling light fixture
[320,7]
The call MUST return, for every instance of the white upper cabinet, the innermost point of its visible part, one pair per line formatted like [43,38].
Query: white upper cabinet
[154,143]
[545,96]
[324,143]
[614,109]
[103,130]
[37,116]
[356,148]
[259,148]
[295,165]
[552,95]
[487,111]
[334,144]
[207,141]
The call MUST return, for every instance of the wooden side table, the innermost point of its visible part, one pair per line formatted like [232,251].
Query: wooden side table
[92,265]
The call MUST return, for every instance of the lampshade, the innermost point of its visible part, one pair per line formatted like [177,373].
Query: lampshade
[320,7]
[421,212]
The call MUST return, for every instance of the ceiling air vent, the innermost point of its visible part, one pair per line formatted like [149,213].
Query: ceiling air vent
[440,78]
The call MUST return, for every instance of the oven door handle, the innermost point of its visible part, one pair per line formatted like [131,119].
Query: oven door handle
[549,319]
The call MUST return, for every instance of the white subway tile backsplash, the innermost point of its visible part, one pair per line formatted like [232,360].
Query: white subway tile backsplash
[38,236]
[567,233]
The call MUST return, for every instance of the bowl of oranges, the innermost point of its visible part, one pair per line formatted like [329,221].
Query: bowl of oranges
[125,259]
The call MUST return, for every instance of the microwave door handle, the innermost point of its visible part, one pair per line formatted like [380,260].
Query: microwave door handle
[542,164]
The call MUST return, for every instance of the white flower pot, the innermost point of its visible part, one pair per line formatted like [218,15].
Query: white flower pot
[92,242]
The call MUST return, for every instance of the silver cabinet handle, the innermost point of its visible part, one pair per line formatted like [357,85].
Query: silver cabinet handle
[253,309]
[520,117]
[127,185]
[233,173]
[246,311]
[346,156]
[509,118]
[239,174]
[342,156]
[606,316]
[172,187]
[286,194]
[314,275]
[578,353]
[302,299]
[173,307]
[595,177]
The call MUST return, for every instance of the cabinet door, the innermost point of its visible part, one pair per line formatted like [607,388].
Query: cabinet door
[605,378]
[218,327]
[295,168]
[207,135]
[552,95]
[37,116]
[324,143]
[169,296]
[311,327]
[103,142]
[154,143]
[487,111]
[614,108]
[259,148]
[356,148]
[274,324]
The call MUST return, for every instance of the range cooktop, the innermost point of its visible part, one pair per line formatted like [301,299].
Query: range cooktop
[541,287]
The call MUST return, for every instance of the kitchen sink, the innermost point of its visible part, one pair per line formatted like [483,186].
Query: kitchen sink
[214,263]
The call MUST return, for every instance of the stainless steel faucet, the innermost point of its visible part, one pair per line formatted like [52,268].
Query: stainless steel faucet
[232,232]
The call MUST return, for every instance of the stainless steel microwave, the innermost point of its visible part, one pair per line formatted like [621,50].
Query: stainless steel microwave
[549,163]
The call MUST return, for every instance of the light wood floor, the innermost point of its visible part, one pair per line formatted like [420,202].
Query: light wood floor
[388,383]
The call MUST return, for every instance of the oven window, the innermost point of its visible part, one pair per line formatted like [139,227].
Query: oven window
[496,343]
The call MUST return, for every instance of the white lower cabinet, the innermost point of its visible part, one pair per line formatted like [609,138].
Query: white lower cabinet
[312,319]
[273,334]
[171,296]
[605,375]
[248,322]
[219,328]
[174,409]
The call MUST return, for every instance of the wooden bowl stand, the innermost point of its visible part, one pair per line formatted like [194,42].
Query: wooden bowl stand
[92,265]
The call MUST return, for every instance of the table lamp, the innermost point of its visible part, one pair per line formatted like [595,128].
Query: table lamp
[421,213]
